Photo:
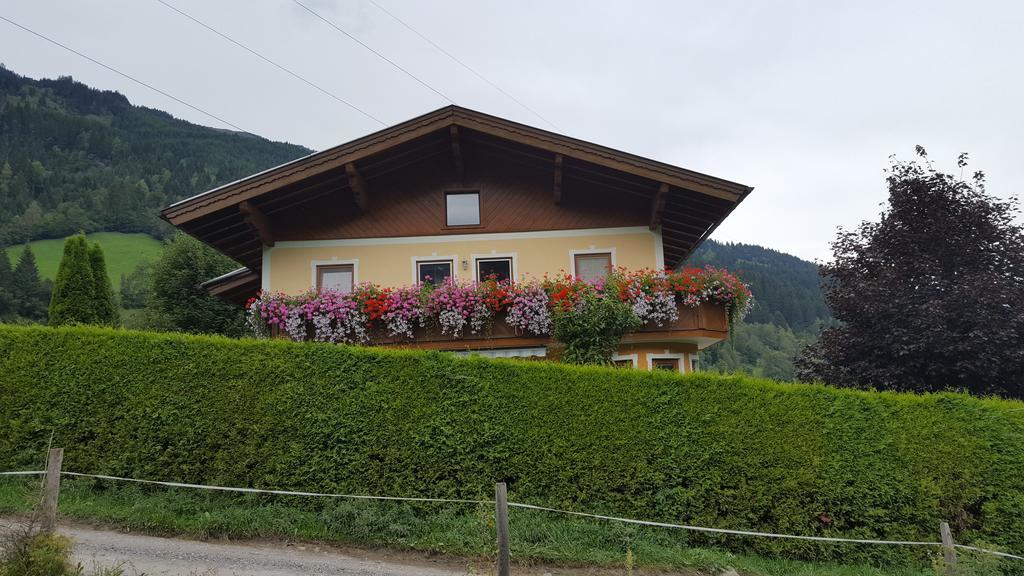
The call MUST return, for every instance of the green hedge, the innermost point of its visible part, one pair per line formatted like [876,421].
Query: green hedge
[729,452]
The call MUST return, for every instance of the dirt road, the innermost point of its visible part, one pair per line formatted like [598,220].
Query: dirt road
[154,556]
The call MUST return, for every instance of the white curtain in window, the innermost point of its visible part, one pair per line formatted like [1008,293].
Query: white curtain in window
[338,279]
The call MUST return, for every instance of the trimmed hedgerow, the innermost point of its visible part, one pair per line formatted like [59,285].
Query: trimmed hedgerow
[730,452]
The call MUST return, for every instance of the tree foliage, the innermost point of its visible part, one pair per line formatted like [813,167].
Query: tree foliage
[104,305]
[929,297]
[789,310]
[177,295]
[590,331]
[31,293]
[74,289]
[74,158]
[136,287]
[766,350]
[8,307]
[787,289]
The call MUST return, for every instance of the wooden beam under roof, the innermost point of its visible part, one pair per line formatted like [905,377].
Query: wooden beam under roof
[557,188]
[258,221]
[685,224]
[358,186]
[460,170]
[658,206]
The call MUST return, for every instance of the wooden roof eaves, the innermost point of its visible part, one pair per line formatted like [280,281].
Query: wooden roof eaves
[338,156]
[601,155]
[712,229]
[316,163]
[230,280]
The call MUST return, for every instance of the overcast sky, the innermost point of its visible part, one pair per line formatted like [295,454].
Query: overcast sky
[805,101]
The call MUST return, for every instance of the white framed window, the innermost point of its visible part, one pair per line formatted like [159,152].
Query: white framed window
[502,266]
[667,361]
[592,264]
[340,275]
[433,269]
[626,360]
[462,208]
[499,269]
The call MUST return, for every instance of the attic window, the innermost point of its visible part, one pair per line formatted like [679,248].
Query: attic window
[462,208]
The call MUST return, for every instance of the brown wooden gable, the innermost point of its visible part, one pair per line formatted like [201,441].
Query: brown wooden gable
[392,183]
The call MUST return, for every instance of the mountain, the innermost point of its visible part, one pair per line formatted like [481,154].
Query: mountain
[787,289]
[74,158]
[789,309]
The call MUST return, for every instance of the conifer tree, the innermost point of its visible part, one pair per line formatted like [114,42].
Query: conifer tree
[7,302]
[74,289]
[30,294]
[104,308]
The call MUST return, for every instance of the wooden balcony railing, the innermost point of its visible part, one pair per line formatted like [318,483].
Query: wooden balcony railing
[701,325]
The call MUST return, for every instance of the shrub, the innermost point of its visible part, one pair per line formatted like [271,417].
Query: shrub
[74,289]
[26,552]
[104,307]
[179,302]
[729,452]
[591,328]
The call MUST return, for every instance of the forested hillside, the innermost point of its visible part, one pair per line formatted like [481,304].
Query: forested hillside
[788,314]
[73,158]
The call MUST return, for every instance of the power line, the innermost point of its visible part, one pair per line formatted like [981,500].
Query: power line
[381,56]
[118,72]
[271,62]
[461,63]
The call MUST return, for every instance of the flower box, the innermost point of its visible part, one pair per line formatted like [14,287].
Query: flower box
[452,315]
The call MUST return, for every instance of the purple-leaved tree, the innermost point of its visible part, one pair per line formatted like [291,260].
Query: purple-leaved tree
[930,297]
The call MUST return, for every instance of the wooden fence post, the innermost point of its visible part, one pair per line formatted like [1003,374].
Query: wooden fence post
[948,550]
[51,489]
[501,516]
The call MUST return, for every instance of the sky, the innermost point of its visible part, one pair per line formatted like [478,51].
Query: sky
[805,101]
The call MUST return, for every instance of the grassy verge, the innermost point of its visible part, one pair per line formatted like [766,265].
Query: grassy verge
[459,530]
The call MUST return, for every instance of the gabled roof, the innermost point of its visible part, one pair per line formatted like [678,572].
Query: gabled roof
[696,203]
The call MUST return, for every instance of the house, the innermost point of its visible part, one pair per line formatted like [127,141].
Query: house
[460,194]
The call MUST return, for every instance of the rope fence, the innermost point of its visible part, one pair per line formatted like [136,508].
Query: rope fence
[276,492]
[54,472]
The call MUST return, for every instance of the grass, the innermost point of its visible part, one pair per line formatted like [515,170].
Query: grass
[123,253]
[457,530]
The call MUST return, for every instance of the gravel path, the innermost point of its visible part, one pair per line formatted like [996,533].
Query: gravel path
[155,556]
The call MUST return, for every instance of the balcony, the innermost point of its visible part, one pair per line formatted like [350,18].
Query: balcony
[704,325]
[686,310]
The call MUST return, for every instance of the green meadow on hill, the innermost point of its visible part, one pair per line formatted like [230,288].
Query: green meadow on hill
[123,253]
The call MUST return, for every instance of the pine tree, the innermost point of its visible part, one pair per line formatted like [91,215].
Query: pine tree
[74,288]
[104,308]
[7,302]
[30,294]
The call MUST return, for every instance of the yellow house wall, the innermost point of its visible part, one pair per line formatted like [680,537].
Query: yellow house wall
[289,266]
[643,355]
